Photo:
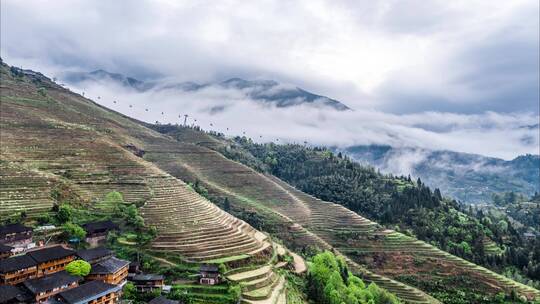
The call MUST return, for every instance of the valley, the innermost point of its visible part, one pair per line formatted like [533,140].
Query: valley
[61,148]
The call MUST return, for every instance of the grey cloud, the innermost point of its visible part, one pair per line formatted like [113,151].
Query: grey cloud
[492,134]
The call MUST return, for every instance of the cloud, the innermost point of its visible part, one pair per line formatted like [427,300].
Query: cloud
[229,111]
[397,56]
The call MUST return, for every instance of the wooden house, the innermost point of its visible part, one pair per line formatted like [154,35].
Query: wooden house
[44,288]
[51,259]
[148,282]
[16,235]
[209,274]
[17,269]
[96,232]
[93,292]
[5,251]
[111,270]
[95,255]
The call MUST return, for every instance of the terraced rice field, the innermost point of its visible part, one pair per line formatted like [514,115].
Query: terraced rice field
[259,285]
[186,162]
[324,224]
[62,138]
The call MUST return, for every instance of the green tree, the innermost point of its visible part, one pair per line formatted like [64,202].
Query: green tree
[78,268]
[130,291]
[65,213]
[74,231]
[502,226]
[114,198]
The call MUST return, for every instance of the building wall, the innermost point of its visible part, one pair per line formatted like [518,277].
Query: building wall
[16,237]
[95,241]
[53,266]
[40,298]
[110,298]
[5,255]
[14,278]
[148,285]
[114,278]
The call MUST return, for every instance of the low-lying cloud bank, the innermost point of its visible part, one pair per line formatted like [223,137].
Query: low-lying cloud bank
[230,111]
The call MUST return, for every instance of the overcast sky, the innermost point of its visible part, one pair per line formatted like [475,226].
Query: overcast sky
[441,61]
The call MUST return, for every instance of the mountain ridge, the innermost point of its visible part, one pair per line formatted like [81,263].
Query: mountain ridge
[468,177]
[264,91]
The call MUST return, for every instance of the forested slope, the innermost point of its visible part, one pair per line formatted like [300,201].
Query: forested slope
[306,222]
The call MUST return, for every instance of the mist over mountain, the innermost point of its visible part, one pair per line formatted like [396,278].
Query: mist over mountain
[470,178]
[264,91]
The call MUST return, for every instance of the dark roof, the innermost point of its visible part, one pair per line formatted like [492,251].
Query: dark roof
[87,292]
[147,277]
[110,265]
[50,253]
[16,263]
[209,268]
[5,248]
[163,300]
[97,226]
[49,282]
[94,253]
[13,228]
[8,293]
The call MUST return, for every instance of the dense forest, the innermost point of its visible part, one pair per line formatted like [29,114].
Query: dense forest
[400,203]
[330,282]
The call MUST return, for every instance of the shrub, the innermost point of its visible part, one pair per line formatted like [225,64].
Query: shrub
[78,268]
[330,282]
[74,231]
[64,214]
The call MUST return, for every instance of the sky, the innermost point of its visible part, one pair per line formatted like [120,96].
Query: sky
[458,75]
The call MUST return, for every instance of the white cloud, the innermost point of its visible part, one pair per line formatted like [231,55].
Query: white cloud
[400,56]
[491,134]
[431,59]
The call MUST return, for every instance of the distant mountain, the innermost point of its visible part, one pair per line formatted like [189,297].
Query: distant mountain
[467,177]
[267,91]
[102,76]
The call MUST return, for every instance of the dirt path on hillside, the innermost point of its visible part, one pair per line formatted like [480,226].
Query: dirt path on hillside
[299,263]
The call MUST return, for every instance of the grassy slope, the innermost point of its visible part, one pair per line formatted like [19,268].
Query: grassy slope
[302,220]
[58,144]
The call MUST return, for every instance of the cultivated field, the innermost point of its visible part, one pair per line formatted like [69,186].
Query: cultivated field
[312,222]
[59,147]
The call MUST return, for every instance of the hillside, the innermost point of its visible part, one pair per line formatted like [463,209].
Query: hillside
[58,147]
[466,177]
[305,222]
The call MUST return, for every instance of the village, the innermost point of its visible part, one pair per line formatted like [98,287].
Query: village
[35,271]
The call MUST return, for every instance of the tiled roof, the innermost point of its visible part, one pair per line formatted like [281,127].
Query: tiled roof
[110,265]
[94,253]
[50,253]
[13,228]
[209,268]
[87,292]
[99,226]
[148,277]
[16,263]
[5,248]
[49,282]
[8,293]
